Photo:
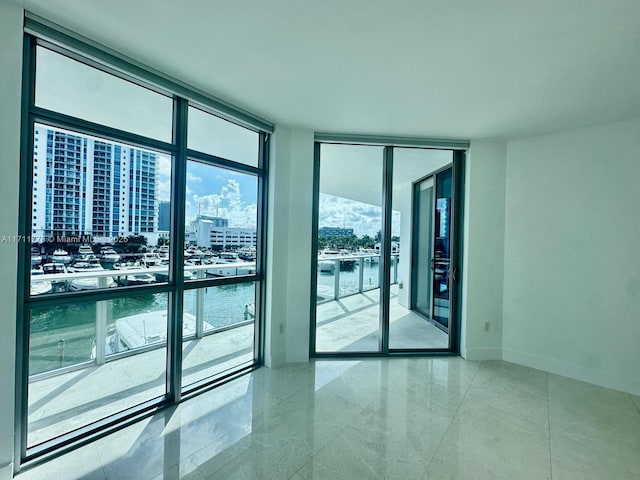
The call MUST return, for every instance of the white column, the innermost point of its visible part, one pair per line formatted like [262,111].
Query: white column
[10,94]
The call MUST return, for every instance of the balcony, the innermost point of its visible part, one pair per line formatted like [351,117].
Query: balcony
[348,308]
[106,358]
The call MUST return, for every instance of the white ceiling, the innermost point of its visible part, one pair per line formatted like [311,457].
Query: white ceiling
[436,68]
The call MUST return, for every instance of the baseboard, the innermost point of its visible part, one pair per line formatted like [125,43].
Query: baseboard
[482,353]
[595,376]
[275,361]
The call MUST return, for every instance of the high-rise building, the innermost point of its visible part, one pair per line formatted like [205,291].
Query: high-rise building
[85,186]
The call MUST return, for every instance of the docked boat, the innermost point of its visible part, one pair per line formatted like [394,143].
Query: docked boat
[229,258]
[135,274]
[88,283]
[85,250]
[146,329]
[36,257]
[61,256]
[327,266]
[109,255]
[150,260]
[56,269]
[163,252]
[39,285]
[247,253]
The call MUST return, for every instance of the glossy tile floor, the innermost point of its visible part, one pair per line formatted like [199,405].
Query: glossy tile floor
[414,418]
[70,400]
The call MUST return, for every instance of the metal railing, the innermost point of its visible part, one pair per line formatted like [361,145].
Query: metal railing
[359,260]
[100,356]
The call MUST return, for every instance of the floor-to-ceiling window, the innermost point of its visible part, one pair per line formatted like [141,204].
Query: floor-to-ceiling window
[142,240]
[387,224]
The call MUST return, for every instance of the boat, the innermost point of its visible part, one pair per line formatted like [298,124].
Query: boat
[85,250]
[145,329]
[135,274]
[327,266]
[39,286]
[347,260]
[163,252]
[150,260]
[60,256]
[88,283]
[36,257]
[109,255]
[56,269]
[247,253]
[229,258]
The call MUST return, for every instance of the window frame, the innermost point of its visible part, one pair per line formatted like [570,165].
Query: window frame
[60,41]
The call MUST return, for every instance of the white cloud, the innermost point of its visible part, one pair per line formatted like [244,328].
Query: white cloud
[364,218]
[226,204]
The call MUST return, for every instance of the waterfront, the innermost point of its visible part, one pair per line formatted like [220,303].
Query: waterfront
[75,323]
[64,335]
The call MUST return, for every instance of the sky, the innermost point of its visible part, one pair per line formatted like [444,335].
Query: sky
[215,192]
[365,219]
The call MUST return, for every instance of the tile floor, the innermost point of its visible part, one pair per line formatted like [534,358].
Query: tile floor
[404,418]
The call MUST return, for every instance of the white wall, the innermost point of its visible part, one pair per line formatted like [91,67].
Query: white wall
[482,268]
[572,263]
[10,87]
[289,246]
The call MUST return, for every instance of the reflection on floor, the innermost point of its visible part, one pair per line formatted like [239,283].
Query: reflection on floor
[351,324]
[64,402]
[402,418]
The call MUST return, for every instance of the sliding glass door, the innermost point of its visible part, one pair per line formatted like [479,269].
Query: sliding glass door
[384,223]
[348,249]
[431,274]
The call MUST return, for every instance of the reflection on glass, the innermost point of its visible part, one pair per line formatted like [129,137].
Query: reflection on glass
[218,329]
[221,222]
[349,232]
[76,89]
[411,324]
[441,248]
[98,208]
[92,359]
[215,136]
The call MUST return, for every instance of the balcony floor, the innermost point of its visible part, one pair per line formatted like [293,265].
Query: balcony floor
[64,402]
[351,324]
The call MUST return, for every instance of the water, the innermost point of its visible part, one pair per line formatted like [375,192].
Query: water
[349,280]
[74,323]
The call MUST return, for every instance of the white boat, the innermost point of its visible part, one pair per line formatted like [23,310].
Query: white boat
[109,255]
[85,250]
[55,269]
[60,256]
[150,260]
[88,283]
[39,286]
[145,329]
[136,275]
[326,266]
[228,257]
[163,252]
[36,257]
